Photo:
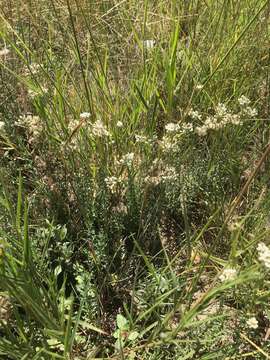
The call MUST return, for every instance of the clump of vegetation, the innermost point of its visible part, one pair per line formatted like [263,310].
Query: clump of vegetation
[134,180]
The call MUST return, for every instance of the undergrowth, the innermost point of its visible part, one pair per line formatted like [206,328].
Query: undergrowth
[134,191]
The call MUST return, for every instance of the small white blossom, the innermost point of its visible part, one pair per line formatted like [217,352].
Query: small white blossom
[153,180]
[201,130]
[169,174]
[211,123]
[252,323]
[149,44]
[264,254]
[73,123]
[4,52]
[233,226]
[85,115]
[168,144]
[199,86]
[252,112]
[222,118]
[99,129]
[141,139]
[235,119]
[31,69]
[119,124]
[172,127]
[221,110]
[2,126]
[34,68]
[187,127]
[33,125]
[111,182]
[127,159]
[195,114]
[243,100]
[228,274]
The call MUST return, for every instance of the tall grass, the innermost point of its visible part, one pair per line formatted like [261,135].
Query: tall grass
[134,179]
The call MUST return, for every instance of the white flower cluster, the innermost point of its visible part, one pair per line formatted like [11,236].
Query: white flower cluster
[227,275]
[194,114]
[33,125]
[233,225]
[169,143]
[246,109]
[199,86]
[222,118]
[243,100]
[111,182]
[221,110]
[4,52]
[32,69]
[72,124]
[2,126]
[119,124]
[172,127]
[169,174]
[99,129]
[149,44]
[142,139]
[252,323]
[251,112]
[85,115]
[186,128]
[264,254]
[127,159]
[165,174]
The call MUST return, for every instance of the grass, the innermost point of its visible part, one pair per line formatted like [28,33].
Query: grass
[134,145]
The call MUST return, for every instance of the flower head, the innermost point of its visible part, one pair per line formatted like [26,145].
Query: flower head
[252,323]
[2,126]
[194,114]
[32,69]
[119,124]
[233,225]
[99,129]
[149,44]
[32,124]
[127,159]
[4,52]
[211,123]
[221,110]
[201,130]
[111,182]
[227,275]
[199,86]
[243,100]
[141,139]
[168,144]
[172,127]
[264,254]
[85,115]
[249,111]
[187,127]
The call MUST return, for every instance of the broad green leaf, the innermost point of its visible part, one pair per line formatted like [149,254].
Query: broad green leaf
[122,322]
